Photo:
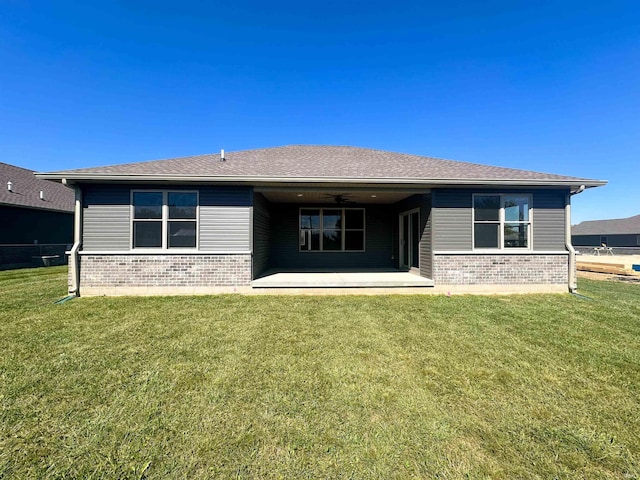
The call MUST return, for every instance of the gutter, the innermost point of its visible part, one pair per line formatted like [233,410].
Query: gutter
[74,288]
[573,284]
[257,180]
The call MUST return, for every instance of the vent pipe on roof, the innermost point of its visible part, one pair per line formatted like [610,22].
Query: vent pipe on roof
[222,159]
[10,186]
[41,194]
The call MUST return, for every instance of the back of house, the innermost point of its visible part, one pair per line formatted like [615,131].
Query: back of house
[233,222]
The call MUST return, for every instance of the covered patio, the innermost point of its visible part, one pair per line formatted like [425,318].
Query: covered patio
[355,237]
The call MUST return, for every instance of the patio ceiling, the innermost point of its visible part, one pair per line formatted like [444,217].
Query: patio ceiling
[342,197]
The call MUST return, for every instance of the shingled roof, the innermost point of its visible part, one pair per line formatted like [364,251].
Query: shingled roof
[616,226]
[297,163]
[26,190]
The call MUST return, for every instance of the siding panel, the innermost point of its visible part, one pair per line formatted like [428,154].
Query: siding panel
[225,229]
[106,213]
[426,240]
[222,196]
[452,220]
[261,234]
[225,218]
[548,220]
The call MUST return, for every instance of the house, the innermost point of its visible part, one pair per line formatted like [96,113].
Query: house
[312,216]
[36,217]
[622,234]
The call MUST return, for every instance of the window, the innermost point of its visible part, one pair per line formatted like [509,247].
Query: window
[331,230]
[501,221]
[162,219]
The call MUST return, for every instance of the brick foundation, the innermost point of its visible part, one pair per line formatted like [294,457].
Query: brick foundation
[163,272]
[501,269]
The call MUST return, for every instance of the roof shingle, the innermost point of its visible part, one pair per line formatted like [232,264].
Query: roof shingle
[315,161]
[615,226]
[26,190]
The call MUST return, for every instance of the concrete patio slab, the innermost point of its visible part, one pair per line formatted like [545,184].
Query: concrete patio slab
[360,279]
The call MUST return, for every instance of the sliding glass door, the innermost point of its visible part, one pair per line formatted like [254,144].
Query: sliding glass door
[410,240]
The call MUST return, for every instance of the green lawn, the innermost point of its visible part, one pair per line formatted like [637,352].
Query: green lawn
[538,386]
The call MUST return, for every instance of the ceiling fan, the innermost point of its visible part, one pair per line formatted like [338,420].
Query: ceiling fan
[340,198]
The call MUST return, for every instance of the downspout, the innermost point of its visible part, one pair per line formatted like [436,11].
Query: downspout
[573,285]
[74,288]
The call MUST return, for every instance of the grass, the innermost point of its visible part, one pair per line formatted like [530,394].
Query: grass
[537,386]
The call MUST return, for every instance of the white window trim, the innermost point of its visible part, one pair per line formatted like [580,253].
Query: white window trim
[165,222]
[501,221]
[343,229]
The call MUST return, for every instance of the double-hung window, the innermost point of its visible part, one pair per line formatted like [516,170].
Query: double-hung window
[501,221]
[164,219]
[332,229]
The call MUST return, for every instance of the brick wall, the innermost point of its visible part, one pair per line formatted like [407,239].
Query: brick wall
[500,269]
[164,270]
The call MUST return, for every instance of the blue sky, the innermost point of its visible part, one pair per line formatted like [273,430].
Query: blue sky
[547,86]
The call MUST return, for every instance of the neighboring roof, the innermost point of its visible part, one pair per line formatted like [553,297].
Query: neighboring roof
[616,226]
[313,163]
[26,190]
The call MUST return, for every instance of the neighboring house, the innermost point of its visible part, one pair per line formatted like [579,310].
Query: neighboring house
[36,217]
[215,223]
[623,234]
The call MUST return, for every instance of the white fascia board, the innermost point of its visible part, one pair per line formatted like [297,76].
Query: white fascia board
[257,180]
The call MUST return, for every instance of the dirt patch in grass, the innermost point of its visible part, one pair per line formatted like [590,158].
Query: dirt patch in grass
[609,277]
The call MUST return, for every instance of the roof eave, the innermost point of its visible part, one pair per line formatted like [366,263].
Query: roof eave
[256,180]
[33,207]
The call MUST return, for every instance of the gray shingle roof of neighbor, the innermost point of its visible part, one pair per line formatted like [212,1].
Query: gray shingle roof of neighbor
[615,226]
[321,163]
[26,190]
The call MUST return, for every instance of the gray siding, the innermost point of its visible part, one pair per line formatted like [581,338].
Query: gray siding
[261,234]
[548,220]
[426,242]
[379,252]
[452,220]
[225,217]
[105,221]
[225,229]
[223,196]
